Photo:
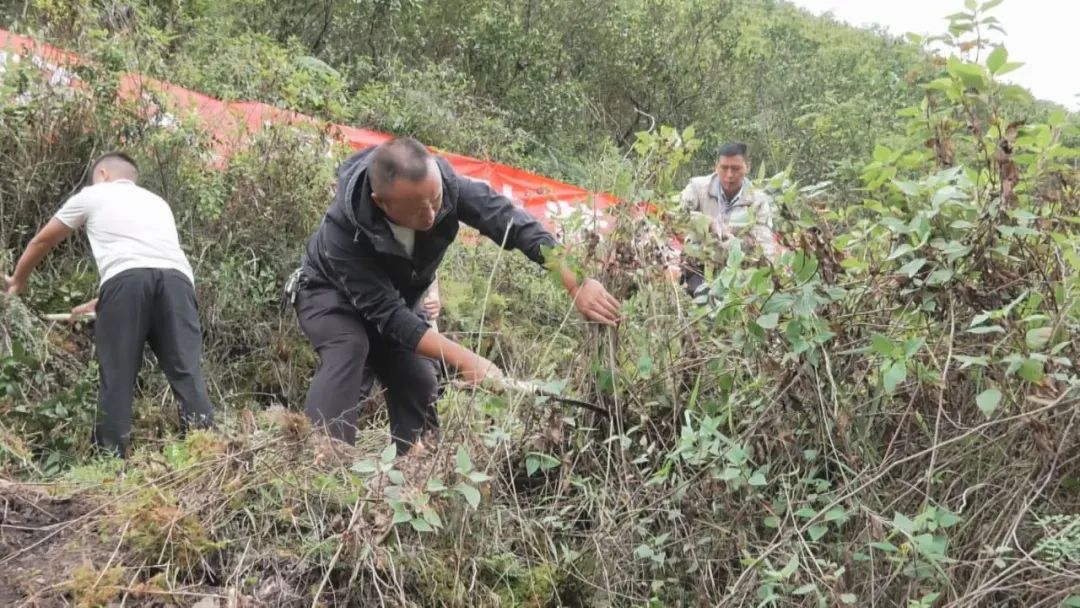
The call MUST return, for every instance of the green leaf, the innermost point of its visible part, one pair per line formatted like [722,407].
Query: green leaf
[396,477]
[947,519]
[790,568]
[859,556]
[805,589]
[432,517]
[805,513]
[912,267]
[989,4]
[953,250]
[913,346]
[886,546]
[899,251]
[836,514]
[772,522]
[971,75]
[1073,601]
[929,599]
[728,474]
[893,376]
[478,477]
[805,266]
[401,516]
[987,329]
[471,494]
[757,479]
[1038,337]
[464,462]
[1032,371]
[882,345]
[780,303]
[420,525]
[1012,66]
[768,321]
[940,84]
[365,467]
[882,154]
[435,485]
[389,453]
[736,455]
[848,598]
[645,365]
[532,465]
[988,401]
[996,60]
[931,546]
[902,523]
[818,531]
[939,277]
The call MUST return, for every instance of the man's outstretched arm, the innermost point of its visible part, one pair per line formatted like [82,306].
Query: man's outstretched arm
[496,217]
[43,242]
[473,368]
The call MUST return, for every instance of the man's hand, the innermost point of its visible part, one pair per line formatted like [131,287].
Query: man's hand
[12,286]
[596,304]
[42,243]
[432,305]
[84,309]
[482,372]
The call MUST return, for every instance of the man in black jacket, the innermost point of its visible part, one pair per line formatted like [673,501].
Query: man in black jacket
[367,267]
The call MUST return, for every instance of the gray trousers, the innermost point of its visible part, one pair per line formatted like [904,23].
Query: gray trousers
[351,354]
[136,307]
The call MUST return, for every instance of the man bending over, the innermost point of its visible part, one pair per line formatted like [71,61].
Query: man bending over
[365,272]
[146,294]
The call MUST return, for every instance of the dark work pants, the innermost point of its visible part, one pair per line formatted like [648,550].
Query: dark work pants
[351,353]
[135,307]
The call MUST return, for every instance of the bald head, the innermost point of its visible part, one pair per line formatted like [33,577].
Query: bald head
[399,158]
[406,183]
[113,166]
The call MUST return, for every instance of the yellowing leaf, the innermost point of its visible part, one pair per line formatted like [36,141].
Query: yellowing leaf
[1038,337]
[988,401]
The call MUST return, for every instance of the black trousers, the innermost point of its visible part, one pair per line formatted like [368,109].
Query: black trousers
[135,307]
[351,354]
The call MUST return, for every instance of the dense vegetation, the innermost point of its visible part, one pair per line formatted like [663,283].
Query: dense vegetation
[887,416]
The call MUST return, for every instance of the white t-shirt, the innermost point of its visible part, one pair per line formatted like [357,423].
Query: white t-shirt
[128,227]
[405,236]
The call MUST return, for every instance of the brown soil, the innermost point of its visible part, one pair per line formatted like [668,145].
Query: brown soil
[42,540]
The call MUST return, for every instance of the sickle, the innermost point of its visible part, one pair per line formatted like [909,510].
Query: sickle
[532,389]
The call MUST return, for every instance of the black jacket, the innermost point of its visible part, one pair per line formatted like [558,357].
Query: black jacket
[355,251]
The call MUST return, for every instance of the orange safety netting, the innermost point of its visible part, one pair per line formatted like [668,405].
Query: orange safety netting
[230,122]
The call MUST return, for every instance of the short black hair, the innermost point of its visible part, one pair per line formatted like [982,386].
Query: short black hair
[401,157]
[116,158]
[734,149]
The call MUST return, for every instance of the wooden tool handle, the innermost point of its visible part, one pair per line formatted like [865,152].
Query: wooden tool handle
[67,316]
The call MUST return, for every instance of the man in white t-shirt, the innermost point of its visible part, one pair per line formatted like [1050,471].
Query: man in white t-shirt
[146,294]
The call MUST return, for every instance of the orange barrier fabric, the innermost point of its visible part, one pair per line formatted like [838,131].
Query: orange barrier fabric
[230,122]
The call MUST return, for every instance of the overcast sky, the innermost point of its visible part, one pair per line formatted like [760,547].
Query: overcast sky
[1043,34]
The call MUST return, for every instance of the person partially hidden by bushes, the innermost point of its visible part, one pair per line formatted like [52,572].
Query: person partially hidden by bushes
[358,292]
[146,295]
[734,208]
